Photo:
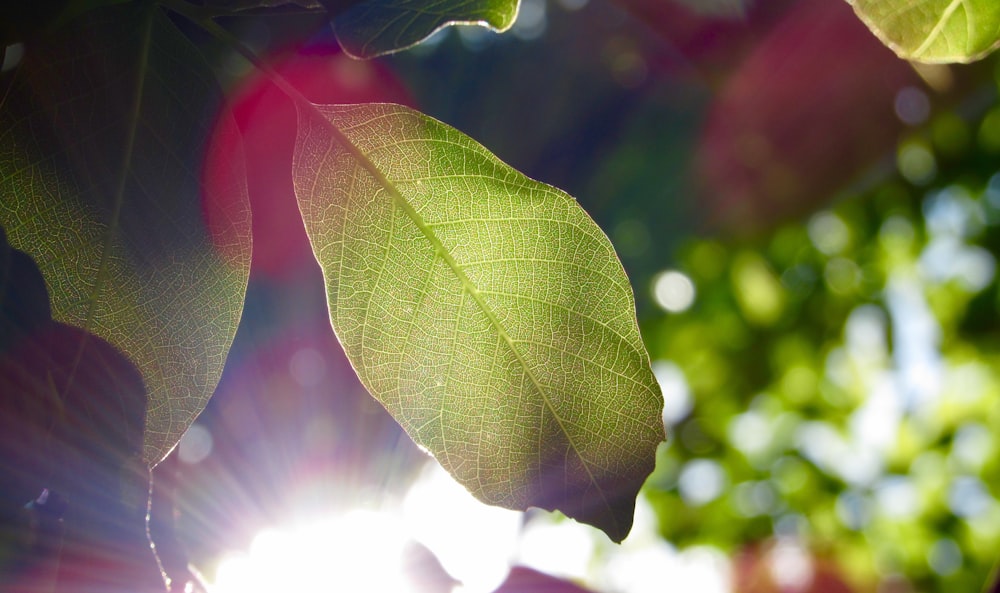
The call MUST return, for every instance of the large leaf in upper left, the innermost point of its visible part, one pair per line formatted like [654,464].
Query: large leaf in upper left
[103,134]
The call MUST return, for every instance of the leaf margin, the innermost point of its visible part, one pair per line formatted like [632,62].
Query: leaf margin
[349,25]
[890,36]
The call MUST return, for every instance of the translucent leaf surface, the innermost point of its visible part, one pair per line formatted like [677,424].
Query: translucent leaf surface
[486,311]
[934,30]
[375,27]
[102,132]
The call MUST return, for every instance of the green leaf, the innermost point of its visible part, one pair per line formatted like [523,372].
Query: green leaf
[934,30]
[486,311]
[103,131]
[372,28]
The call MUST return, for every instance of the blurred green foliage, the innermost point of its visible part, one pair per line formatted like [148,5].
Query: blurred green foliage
[835,379]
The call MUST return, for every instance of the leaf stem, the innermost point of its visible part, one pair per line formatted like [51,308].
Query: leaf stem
[133,119]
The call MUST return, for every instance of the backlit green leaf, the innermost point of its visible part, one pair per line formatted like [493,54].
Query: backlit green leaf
[102,136]
[486,311]
[375,27]
[934,30]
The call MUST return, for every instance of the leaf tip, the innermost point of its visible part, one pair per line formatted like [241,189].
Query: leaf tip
[374,28]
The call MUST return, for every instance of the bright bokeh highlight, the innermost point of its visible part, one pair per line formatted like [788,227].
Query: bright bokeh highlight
[673,291]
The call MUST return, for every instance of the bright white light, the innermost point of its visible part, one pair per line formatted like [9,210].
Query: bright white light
[673,291]
[368,551]
[473,541]
[916,341]
[703,569]
[563,549]
[235,573]
[644,570]
[652,565]
[875,424]
[358,551]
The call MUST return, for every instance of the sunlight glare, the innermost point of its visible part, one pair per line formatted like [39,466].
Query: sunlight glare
[473,541]
[358,551]
[658,567]
[235,574]
[564,549]
[371,551]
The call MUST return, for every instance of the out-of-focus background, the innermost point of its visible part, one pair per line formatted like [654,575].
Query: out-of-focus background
[811,228]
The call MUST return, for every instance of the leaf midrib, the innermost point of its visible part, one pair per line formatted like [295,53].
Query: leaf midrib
[102,273]
[467,285]
[939,26]
[129,150]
